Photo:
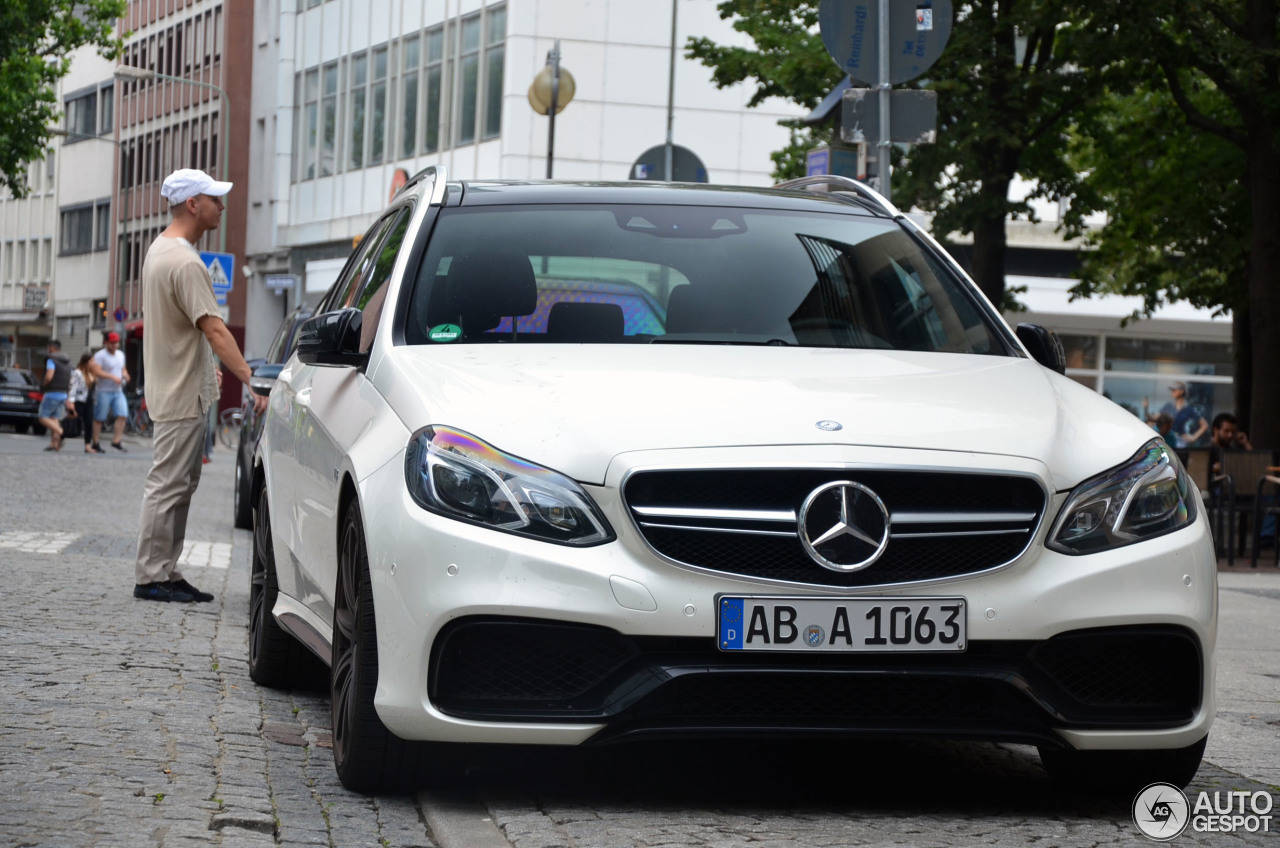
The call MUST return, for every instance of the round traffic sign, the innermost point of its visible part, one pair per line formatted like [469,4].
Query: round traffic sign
[918,31]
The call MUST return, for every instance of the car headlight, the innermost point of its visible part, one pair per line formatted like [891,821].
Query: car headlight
[1145,497]
[455,474]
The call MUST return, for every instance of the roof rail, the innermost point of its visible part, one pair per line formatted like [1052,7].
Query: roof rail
[441,176]
[834,182]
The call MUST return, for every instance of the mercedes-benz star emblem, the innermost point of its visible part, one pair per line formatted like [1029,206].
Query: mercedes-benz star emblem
[829,425]
[844,526]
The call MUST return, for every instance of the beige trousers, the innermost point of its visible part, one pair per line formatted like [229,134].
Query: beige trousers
[166,498]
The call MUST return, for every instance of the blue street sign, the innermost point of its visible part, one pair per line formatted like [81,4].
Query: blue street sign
[221,268]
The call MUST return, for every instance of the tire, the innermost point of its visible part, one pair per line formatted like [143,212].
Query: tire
[276,659]
[241,504]
[22,427]
[1116,772]
[368,757]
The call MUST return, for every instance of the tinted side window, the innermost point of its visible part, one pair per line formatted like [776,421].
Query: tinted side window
[343,292]
[372,291]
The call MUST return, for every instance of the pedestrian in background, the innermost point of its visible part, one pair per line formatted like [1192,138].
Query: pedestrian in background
[80,397]
[110,375]
[184,331]
[56,382]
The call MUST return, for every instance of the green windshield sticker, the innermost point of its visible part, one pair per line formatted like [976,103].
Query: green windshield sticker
[445,333]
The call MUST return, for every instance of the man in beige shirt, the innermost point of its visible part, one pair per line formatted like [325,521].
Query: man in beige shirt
[184,330]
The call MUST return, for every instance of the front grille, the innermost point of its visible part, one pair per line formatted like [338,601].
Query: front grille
[1149,671]
[527,662]
[744,522]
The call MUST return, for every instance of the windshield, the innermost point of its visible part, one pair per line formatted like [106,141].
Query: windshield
[687,275]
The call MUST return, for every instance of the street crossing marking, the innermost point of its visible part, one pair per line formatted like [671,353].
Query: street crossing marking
[35,541]
[210,554]
[194,554]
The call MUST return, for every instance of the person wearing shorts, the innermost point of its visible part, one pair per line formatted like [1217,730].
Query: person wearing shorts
[56,382]
[108,368]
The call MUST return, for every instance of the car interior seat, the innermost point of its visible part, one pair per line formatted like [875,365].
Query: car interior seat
[597,323]
[486,285]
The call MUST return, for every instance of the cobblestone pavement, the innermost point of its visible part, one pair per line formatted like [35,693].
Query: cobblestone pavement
[130,723]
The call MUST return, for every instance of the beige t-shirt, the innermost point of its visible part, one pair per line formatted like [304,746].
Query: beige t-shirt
[178,362]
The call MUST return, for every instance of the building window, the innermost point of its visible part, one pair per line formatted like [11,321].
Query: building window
[378,107]
[76,230]
[412,96]
[357,120]
[46,260]
[495,52]
[82,115]
[310,122]
[411,56]
[329,119]
[102,225]
[435,85]
[106,108]
[468,79]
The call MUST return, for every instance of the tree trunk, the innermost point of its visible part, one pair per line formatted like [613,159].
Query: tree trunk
[990,244]
[1264,286]
[1242,362]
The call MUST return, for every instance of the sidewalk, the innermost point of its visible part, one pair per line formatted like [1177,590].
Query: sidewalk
[131,722]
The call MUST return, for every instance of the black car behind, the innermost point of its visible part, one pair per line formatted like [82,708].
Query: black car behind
[20,398]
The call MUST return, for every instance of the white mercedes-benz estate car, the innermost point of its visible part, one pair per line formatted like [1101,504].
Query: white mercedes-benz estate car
[581,464]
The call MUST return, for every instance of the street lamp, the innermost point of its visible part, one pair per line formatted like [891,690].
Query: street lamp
[131,72]
[124,221]
[551,91]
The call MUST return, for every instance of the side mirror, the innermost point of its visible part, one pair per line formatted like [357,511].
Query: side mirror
[264,377]
[332,339]
[1044,346]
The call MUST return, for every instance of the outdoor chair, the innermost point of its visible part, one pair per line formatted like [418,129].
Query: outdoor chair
[1267,503]
[1239,485]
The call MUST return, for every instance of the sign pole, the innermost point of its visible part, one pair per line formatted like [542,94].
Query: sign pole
[884,145]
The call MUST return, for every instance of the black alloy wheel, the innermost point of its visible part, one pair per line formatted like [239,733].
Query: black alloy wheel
[276,659]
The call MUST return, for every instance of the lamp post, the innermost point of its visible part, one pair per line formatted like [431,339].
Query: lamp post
[551,91]
[131,72]
[124,221]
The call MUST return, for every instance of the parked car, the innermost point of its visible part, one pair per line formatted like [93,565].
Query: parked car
[20,398]
[581,464]
[265,370]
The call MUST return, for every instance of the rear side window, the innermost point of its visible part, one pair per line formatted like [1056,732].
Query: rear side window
[688,275]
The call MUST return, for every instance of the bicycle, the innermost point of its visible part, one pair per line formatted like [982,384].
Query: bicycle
[138,421]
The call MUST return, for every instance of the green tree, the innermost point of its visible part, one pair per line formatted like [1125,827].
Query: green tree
[1195,213]
[787,61]
[1009,87]
[37,38]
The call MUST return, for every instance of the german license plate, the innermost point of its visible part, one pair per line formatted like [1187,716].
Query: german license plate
[10,397]
[841,624]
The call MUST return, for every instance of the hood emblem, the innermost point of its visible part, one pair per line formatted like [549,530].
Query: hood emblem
[830,426]
[844,526]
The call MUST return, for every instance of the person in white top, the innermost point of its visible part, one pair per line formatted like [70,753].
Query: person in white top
[108,367]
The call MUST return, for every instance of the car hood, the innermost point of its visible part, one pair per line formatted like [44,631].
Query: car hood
[574,408]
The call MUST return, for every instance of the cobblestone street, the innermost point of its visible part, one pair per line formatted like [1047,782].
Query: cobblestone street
[131,723]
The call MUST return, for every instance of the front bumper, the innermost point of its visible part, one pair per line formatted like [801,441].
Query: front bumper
[489,637]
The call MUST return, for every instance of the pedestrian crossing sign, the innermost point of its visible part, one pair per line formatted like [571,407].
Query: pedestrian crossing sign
[221,266]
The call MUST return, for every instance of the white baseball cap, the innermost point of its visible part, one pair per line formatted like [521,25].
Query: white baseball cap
[186,183]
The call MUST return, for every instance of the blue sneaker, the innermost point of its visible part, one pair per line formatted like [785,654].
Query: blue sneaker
[184,586]
[162,592]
